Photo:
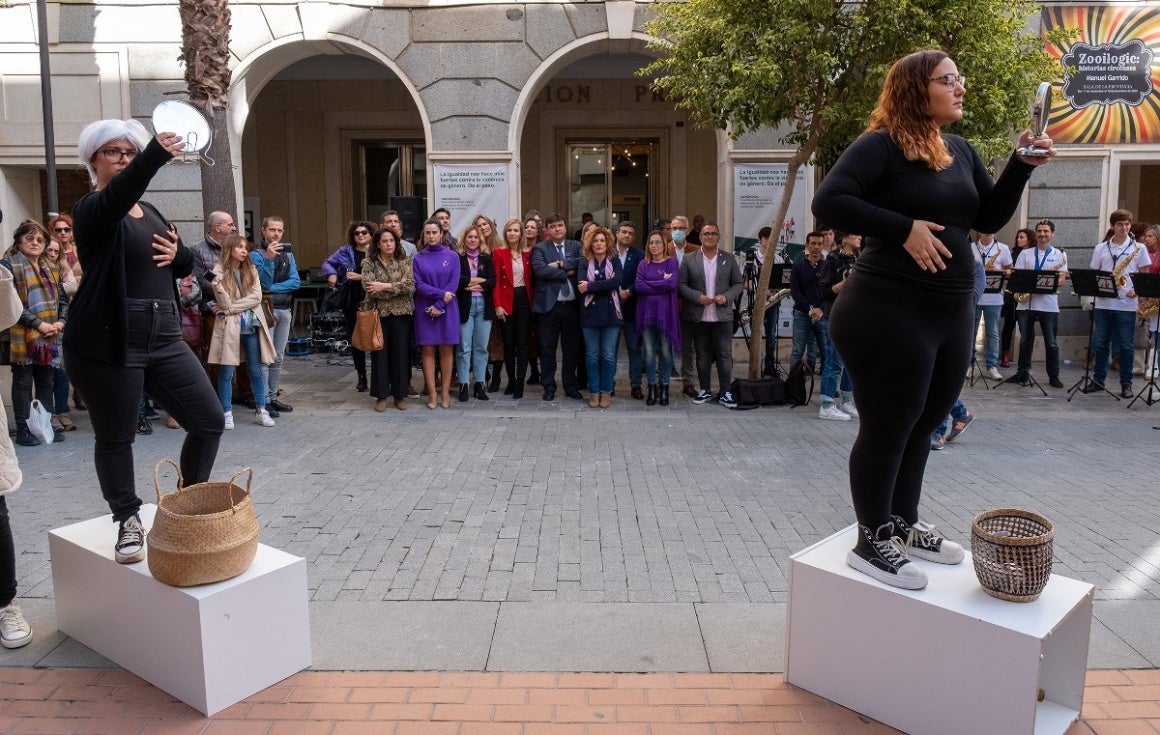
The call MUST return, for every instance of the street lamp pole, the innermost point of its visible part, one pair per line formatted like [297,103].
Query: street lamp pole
[46,108]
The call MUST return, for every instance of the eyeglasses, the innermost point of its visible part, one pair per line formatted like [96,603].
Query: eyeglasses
[62,229]
[359,233]
[950,80]
[115,155]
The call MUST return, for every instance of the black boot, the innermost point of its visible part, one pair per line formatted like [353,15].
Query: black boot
[496,374]
[463,391]
[24,437]
[534,378]
[480,393]
[362,383]
[518,390]
[664,397]
[651,400]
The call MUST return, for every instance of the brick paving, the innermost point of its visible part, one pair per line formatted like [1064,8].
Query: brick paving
[68,702]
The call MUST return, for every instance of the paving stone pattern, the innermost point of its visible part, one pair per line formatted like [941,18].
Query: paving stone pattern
[515,501]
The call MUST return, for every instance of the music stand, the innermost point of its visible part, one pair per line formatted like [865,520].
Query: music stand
[1147,285]
[993,284]
[778,279]
[1036,283]
[1092,283]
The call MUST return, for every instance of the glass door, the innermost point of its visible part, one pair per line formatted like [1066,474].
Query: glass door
[610,180]
[383,170]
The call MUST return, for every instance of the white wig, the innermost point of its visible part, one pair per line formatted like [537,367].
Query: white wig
[96,135]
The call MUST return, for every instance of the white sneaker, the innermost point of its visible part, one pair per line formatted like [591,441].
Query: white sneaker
[229,420]
[848,408]
[832,413]
[262,418]
[14,629]
[993,373]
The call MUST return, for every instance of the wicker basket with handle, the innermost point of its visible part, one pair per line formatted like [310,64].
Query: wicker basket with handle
[203,533]
[1012,553]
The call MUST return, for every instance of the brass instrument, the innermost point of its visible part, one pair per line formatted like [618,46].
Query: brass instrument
[1148,308]
[1022,297]
[1118,272]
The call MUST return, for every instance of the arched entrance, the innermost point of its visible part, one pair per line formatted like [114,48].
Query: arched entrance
[594,137]
[328,138]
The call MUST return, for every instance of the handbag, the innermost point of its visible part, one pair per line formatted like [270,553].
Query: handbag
[751,393]
[368,331]
[202,533]
[797,391]
[40,422]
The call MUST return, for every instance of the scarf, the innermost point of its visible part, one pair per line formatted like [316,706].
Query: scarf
[608,273]
[38,290]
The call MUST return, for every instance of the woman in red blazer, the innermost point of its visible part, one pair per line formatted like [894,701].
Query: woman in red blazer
[513,302]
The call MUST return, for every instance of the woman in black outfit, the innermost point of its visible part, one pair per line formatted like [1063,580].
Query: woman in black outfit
[124,327]
[1024,238]
[915,193]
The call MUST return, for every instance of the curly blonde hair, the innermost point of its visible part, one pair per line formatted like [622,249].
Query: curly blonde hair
[903,109]
[590,235]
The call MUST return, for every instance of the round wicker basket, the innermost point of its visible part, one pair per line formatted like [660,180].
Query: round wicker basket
[1012,553]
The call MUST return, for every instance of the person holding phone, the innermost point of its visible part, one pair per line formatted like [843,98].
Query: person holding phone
[278,274]
[124,328]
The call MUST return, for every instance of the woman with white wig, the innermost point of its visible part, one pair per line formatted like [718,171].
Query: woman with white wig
[127,330]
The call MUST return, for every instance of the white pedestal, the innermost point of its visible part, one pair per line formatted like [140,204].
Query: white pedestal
[946,660]
[210,646]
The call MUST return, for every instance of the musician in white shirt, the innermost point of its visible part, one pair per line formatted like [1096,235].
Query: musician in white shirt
[1123,256]
[1042,308]
[995,256]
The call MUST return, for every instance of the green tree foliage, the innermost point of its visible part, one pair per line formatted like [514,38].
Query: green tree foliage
[814,68]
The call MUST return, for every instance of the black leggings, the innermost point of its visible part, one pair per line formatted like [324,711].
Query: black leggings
[1009,322]
[350,316]
[158,361]
[906,349]
[517,336]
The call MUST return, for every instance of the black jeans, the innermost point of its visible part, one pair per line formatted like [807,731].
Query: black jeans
[7,558]
[391,366]
[358,356]
[1009,322]
[517,336]
[1049,326]
[560,327]
[23,378]
[160,362]
[714,344]
[906,349]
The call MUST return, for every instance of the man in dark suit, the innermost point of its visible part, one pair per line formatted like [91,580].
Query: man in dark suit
[555,262]
[630,258]
[710,283]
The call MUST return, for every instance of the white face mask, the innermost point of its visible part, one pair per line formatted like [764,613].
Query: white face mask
[679,236]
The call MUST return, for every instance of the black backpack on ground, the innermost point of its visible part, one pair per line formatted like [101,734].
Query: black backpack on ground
[799,385]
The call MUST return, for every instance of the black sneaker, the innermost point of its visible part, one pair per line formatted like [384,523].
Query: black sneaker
[923,541]
[879,554]
[143,426]
[726,400]
[959,426]
[1092,387]
[1126,390]
[703,396]
[1055,383]
[282,407]
[130,546]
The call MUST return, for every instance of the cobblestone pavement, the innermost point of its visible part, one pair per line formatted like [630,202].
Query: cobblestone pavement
[529,501]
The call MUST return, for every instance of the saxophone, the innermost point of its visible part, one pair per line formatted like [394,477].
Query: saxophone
[1022,297]
[1118,272]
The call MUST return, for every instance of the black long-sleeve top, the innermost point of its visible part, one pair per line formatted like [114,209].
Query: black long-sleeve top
[804,286]
[115,249]
[874,190]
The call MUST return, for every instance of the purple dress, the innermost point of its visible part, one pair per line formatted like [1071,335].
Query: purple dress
[436,272]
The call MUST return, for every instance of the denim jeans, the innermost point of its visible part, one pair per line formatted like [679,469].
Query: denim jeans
[253,356]
[272,373]
[23,379]
[60,389]
[635,353]
[1113,327]
[600,355]
[834,368]
[158,361]
[808,339]
[471,354]
[658,356]
[958,411]
[1049,326]
[990,314]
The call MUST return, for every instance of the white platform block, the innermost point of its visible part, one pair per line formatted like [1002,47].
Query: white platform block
[210,646]
[946,660]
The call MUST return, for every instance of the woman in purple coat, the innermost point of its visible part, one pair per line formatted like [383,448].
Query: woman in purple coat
[657,323]
[436,311]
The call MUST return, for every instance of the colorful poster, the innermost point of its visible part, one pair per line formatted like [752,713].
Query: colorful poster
[757,189]
[1108,94]
[468,190]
